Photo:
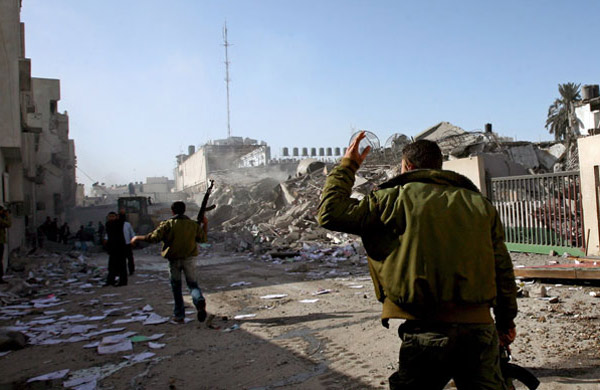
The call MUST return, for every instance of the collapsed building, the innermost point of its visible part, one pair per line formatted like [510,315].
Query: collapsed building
[271,215]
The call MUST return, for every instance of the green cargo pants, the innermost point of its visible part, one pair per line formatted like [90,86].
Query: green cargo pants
[433,353]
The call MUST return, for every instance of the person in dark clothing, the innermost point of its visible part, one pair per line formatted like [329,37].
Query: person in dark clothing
[5,223]
[100,231]
[90,233]
[64,233]
[115,244]
[53,230]
[45,228]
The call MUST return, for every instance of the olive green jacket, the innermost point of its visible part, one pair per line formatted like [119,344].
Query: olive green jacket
[179,236]
[5,222]
[435,245]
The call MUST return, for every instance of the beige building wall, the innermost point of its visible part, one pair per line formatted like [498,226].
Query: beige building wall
[55,154]
[10,108]
[589,168]
[191,173]
[471,167]
[11,165]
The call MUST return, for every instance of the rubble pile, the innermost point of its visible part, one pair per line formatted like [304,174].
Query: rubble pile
[271,216]
[68,271]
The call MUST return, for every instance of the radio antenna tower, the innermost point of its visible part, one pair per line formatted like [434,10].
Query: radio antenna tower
[227,79]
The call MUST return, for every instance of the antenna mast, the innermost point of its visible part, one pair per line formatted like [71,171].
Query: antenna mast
[227,79]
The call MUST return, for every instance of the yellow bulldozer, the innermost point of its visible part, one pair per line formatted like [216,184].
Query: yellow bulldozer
[136,210]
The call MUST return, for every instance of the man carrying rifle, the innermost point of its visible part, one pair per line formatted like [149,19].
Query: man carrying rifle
[437,258]
[180,235]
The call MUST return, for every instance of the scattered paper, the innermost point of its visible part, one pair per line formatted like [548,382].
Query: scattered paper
[79,383]
[4,353]
[155,319]
[103,331]
[51,376]
[242,316]
[239,284]
[125,320]
[309,300]
[92,385]
[321,291]
[117,337]
[232,328]
[92,345]
[122,346]
[53,312]
[147,308]
[140,356]
[78,329]
[156,345]
[356,286]
[274,296]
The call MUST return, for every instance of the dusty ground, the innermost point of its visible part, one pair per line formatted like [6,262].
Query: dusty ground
[336,342]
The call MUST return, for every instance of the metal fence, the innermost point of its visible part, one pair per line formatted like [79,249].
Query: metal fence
[540,212]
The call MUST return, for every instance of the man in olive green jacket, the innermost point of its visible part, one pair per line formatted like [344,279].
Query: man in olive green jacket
[180,236]
[5,223]
[437,258]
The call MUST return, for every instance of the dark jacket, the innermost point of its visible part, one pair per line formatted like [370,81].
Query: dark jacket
[435,245]
[115,239]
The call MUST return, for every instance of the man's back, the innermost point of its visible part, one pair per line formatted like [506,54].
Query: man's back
[179,235]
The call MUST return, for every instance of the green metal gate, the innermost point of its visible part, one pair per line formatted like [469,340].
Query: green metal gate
[541,213]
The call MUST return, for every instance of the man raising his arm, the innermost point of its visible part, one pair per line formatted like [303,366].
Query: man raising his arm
[437,259]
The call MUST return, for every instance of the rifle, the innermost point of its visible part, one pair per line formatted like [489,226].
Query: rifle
[204,208]
[512,371]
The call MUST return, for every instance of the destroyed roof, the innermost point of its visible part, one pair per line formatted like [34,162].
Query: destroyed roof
[441,130]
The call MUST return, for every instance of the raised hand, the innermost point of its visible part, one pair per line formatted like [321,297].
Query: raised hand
[353,151]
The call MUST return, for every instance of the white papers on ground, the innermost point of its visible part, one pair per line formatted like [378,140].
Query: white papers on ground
[140,356]
[242,316]
[309,300]
[121,346]
[274,296]
[155,319]
[51,376]
[156,345]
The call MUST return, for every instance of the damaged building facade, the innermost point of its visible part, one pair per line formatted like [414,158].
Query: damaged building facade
[159,189]
[233,160]
[37,158]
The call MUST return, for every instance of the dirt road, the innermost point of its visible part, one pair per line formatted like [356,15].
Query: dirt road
[300,325]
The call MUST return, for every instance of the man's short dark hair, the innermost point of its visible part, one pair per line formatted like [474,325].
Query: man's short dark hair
[423,154]
[178,207]
[111,213]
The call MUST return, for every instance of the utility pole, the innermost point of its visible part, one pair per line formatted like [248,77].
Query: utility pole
[227,79]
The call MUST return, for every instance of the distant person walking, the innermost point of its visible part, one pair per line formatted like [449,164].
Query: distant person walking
[115,244]
[128,233]
[5,223]
[180,236]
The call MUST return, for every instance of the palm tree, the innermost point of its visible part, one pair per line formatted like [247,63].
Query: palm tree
[560,114]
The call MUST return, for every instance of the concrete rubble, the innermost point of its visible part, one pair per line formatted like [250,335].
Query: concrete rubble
[278,219]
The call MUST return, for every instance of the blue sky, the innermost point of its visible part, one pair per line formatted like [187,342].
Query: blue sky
[143,79]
